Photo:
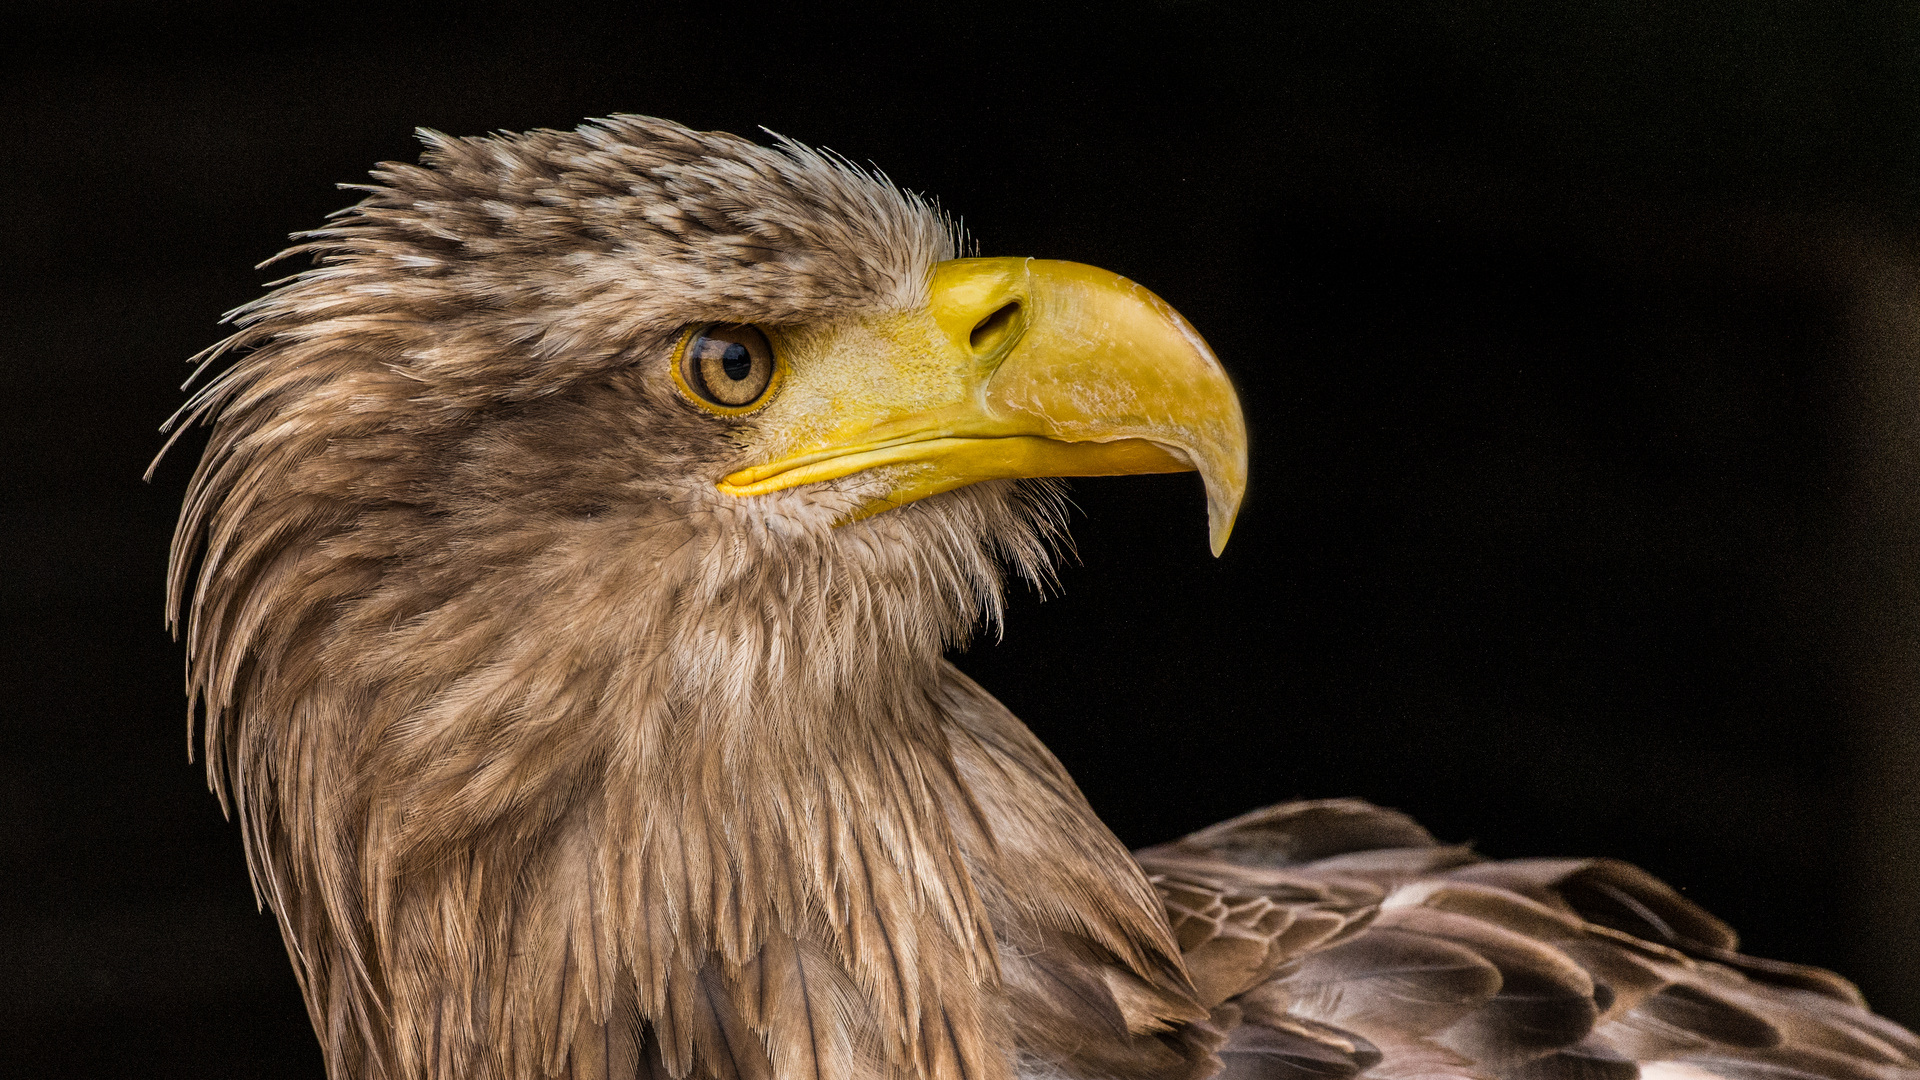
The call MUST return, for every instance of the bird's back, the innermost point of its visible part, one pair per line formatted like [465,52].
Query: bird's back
[1335,939]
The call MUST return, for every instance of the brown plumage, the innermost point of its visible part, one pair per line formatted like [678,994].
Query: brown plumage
[552,759]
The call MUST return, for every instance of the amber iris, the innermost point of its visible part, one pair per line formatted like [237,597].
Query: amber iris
[730,365]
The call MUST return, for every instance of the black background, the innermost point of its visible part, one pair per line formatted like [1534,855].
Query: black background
[1578,342]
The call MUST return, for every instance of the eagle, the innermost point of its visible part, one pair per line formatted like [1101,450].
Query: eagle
[567,581]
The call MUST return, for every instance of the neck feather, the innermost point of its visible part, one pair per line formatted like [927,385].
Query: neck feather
[655,787]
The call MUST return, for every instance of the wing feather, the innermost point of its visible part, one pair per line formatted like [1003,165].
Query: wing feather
[1295,1049]
[1391,978]
[1447,966]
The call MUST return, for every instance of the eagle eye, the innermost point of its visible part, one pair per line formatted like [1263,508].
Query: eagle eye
[726,367]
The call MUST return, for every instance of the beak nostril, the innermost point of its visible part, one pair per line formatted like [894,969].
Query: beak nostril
[992,331]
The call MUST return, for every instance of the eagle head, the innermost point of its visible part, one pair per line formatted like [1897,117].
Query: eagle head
[566,580]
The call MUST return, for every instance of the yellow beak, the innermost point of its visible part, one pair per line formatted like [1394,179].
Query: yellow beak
[1020,368]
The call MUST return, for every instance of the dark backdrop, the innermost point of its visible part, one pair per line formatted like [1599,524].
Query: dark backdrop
[1578,344]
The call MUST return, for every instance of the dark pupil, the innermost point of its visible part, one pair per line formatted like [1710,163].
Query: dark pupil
[736,361]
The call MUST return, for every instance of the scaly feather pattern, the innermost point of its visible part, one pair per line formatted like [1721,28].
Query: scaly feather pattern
[1427,962]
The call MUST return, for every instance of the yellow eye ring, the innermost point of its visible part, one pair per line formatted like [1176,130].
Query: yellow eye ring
[728,369]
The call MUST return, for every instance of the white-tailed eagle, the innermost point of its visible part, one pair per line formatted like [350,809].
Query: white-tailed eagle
[566,584]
